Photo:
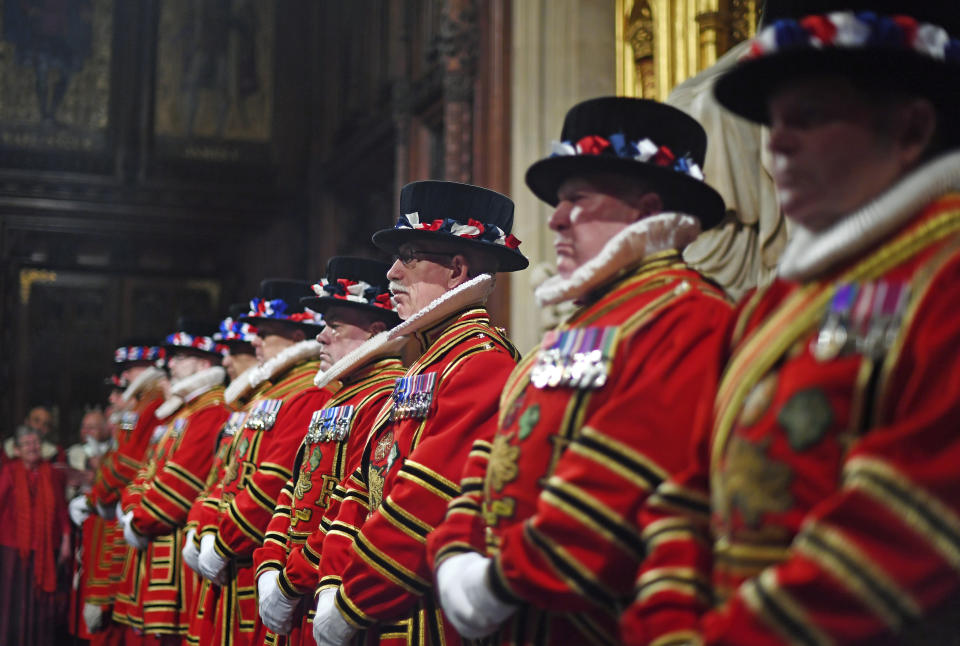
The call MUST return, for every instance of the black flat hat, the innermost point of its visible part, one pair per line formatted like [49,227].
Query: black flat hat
[357,283]
[193,336]
[135,350]
[602,136]
[459,215]
[897,44]
[279,301]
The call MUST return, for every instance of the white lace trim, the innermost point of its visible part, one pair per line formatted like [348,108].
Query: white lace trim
[380,345]
[143,381]
[473,292]
[644,238]
[809,254]
[286,359]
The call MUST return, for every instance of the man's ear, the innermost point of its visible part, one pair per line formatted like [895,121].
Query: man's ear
[649,204]
[376,328]
[916,125]
[298,335]
[459,271]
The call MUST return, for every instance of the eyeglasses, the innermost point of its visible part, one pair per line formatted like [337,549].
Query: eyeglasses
[410,256]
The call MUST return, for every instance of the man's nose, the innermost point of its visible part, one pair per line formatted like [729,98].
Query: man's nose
[560,218]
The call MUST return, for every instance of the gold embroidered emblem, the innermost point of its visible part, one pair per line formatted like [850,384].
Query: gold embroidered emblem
[503,463]
[384,444]
[304,485]
[752,483]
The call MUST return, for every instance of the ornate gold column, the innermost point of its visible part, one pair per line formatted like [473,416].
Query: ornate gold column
[661,43]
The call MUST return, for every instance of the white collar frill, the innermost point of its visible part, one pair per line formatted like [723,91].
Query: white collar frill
[810,254]
[143,382]
[239,387]
[286,359]
[380,345]
[473,292]
[650,235]
[189,388]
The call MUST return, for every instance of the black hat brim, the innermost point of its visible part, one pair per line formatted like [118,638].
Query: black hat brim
[747,88]
[322,303]
[508,259]
[678,192]
[309,328]
[172,349]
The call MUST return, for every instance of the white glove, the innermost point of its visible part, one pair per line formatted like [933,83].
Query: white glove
[106,512]
[134,540]
[212,565]
[79,510]
[329,626]
[276,608]
[92,617]
[118,511]
[191,554]
[466,597]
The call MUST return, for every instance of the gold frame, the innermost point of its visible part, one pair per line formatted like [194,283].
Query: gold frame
[688,37]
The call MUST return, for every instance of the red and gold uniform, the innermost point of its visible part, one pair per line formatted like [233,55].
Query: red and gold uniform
[834,497]
[121,465]
[204,514]
[373,537]
[264,452]
[324,459]
[553,496]
[162,513]
[159,503]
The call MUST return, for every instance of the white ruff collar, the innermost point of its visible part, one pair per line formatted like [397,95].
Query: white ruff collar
[473,292]
[380,345]
[240,386]
[144,381]
[288,358]
[644,238]
[189,388]
[809,253]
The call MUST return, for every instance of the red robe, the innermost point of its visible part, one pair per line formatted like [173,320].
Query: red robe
[262,463]
[553,496]
[204,515]
[372,540]
[320,465]
[833,509]
[33,522]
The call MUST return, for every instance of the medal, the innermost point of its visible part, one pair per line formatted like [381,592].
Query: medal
[576,358]
[234,423]
[128,420]
[413,396]
[264,415]
[329,424]
[833,334]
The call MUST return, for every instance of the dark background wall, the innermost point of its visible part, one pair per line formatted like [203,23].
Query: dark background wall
[160,157]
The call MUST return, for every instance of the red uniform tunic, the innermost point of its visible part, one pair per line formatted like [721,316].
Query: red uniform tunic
[322,462]
[170,586]
[264,453]
[376,529]
[204,516]
[120,466]
[552,498]
[834,504]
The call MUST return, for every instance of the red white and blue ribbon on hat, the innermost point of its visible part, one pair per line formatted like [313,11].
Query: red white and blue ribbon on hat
[202,343]
[857,30]
[138,353]
[277,310]
[355,291]
[617,145]
[231,330]
[472,230]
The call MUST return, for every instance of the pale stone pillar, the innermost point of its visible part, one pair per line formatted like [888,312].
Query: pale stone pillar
[563,52]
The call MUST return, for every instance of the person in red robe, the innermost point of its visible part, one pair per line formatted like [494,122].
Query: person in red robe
[34,538]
